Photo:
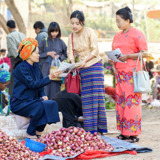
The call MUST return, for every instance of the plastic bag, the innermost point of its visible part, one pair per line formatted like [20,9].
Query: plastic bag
[54,67]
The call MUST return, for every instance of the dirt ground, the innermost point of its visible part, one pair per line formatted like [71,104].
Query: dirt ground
[149,137]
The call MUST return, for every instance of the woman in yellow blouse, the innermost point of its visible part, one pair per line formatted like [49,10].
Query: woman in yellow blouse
[91,72]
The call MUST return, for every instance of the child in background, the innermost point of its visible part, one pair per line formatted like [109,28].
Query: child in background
[4,58]
[156,85]
[4,81]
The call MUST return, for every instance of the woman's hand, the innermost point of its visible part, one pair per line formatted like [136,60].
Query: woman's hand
[111,61]
[54,74]
[123,58]
[52,54]
[57,56]
[83,63]
[45,98]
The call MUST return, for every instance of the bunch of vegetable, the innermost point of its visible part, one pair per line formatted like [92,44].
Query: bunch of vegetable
[109,102]
[73,140]
[11,149]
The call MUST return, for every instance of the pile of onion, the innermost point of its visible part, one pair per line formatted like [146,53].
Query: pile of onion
[11,149]
[70,141]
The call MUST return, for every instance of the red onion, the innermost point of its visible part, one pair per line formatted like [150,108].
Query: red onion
[11,149]
[73,140]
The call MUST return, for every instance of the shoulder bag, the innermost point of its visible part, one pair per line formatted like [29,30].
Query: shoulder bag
[72,80]
[141,78]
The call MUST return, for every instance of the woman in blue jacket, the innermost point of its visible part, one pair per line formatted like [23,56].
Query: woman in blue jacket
[28,98]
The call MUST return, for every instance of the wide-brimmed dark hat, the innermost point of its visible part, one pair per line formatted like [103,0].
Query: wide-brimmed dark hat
[157,69]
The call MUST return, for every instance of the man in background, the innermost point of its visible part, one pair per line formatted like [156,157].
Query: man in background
[40,30]
[13,40]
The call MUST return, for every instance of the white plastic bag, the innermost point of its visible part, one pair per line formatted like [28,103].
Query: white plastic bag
[55,67]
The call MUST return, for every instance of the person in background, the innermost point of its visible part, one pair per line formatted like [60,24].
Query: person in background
[51,49]
[156,84]
[29,99]
[72,112]
[91,71]
[149,66]
[4,58]
[13,40]
[40,30]
[4,81]
[130,41]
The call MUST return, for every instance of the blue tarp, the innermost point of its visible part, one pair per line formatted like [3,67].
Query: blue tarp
[119,146]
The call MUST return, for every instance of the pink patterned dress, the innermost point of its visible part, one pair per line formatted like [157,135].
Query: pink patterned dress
[128,103]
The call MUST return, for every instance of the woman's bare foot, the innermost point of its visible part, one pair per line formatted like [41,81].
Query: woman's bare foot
[38,134]
[31,137]
[99,133]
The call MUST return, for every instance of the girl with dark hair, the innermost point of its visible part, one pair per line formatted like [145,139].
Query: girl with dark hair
[28,98]
[130,41]
[49,49]
[85,45]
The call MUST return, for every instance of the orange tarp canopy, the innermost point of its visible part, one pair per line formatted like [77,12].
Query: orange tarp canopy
[155,14]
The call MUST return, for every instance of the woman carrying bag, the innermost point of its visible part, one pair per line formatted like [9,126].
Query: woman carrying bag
[52,49]
[91,72]
[131,42]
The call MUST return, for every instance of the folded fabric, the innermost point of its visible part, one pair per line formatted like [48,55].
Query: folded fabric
[45,152]
[120,145]
[90,154]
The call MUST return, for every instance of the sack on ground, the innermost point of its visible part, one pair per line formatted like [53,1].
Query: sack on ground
[22,122]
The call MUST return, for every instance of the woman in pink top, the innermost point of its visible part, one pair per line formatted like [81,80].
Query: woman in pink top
[4,58]
[130,41]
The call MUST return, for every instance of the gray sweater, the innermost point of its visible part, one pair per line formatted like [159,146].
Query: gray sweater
[41,35]
[13,40]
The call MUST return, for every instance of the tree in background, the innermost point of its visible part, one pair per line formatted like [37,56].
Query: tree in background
[16,15]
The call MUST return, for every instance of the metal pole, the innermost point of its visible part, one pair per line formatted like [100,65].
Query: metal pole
[133,2]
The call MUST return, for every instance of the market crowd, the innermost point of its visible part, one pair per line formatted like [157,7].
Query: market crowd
[36,92]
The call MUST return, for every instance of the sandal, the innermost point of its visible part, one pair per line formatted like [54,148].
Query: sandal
[122,137]
[134,139]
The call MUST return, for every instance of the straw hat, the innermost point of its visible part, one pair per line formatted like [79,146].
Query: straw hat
[157,69]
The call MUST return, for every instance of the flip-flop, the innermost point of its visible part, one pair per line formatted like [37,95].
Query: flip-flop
[122,137]
[134,139]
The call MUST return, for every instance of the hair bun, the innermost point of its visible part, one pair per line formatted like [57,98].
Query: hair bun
[128,9]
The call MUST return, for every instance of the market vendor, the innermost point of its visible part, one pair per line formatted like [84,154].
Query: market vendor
[28,97]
